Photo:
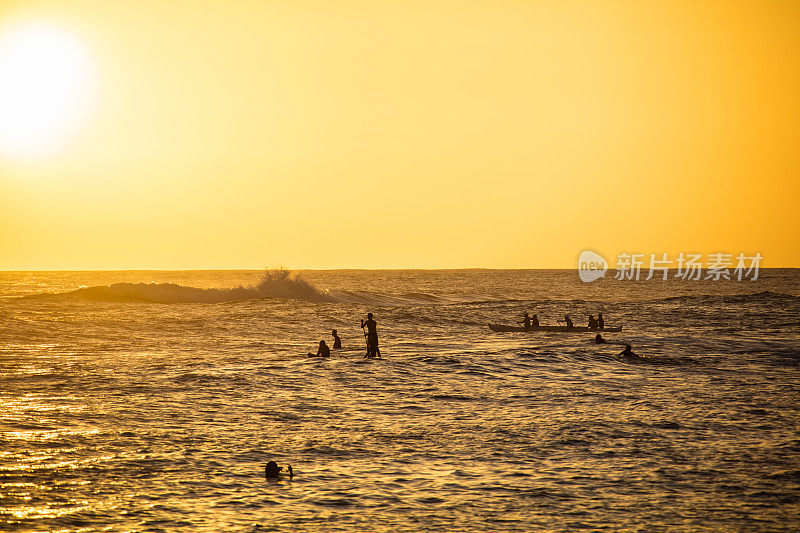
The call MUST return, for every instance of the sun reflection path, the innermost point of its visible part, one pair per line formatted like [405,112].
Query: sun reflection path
[47,442]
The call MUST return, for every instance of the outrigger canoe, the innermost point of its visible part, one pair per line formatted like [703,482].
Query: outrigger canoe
[562,329]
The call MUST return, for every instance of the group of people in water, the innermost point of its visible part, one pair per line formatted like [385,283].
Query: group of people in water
[370,334]
[595,324]
[627,352]
[370,328]
[529,321]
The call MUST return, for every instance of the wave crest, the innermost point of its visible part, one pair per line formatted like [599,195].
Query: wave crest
[275,284]
[766,296]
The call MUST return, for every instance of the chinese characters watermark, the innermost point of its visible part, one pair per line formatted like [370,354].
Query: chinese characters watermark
[686,266]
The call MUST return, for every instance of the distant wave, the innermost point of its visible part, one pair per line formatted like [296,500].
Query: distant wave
[275,284]
[289,285]
[732,298]
[412,298]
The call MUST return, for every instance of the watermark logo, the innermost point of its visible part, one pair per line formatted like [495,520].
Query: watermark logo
[686,266]
[591,266]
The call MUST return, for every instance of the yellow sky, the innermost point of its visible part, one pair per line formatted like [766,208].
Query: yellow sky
[412,134]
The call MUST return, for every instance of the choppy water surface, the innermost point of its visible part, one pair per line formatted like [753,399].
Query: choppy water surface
[128,405]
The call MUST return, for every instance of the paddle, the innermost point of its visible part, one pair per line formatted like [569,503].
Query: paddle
[366,341]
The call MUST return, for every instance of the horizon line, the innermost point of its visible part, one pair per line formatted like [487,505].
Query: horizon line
[315,269]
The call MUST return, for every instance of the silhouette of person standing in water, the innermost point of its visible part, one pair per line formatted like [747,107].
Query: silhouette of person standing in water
[372,336]
[601,323]
[337,342]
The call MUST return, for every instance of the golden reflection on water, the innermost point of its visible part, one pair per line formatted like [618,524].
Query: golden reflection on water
[35,435]
[11,347]
[42,465]
[44,408]
[38,512]
[172,425]
[29,420]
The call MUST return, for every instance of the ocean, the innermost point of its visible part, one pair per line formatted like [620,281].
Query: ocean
[151,401]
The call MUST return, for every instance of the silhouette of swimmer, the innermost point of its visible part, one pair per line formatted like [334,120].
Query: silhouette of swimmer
[568,320]
[337,342]
[599,339]
[535,321]
[526,320]
[372,336]
[273,471]
[323,351]
[601,324]
[592,322]
[627,352]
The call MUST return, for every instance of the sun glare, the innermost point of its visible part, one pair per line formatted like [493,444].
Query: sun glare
[45,77]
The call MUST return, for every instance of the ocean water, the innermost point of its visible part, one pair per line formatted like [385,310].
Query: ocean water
[150,401]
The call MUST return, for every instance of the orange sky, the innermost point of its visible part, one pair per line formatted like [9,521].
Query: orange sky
[403,134]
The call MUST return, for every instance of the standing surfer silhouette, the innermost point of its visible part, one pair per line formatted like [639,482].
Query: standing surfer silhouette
[372,336]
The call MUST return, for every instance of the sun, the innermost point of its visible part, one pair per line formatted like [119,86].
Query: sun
[45,80]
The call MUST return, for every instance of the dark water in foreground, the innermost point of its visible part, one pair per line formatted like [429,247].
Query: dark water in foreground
[118,413]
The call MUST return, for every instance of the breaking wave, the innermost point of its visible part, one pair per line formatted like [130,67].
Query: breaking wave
[275,284]
[289,285]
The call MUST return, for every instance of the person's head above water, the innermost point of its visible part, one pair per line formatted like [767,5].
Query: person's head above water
[333,332]
[524,313]
[272,469]
[598,337]
[322,342]
[369,316]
